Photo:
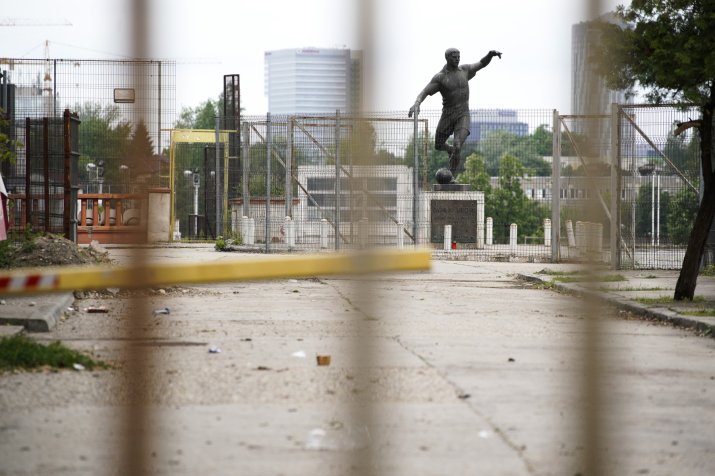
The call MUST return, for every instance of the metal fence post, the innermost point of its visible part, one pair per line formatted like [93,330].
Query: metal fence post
[415,183]
[218,181]
[337,180]
[288,170]
[615,189]
[246,167]
[556,188]
[268,182]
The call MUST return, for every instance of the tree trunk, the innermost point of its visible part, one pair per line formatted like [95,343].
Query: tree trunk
[685,287]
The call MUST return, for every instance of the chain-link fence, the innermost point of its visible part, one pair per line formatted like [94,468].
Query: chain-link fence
[119,152]
[659,185]
[343,181]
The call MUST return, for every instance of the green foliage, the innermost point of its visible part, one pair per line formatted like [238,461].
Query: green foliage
[654,301]
[436,159]
[500,143]
[507,203]
[475,174]
[19,352]
[684,205]
[7,145]
[220,244]
[202,116]
[103,135]
[667,50]
[644,206]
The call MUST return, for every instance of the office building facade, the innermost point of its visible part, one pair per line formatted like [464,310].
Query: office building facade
[313,80]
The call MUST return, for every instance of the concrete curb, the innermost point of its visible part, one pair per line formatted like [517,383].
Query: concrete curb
[659,314]
[39,318]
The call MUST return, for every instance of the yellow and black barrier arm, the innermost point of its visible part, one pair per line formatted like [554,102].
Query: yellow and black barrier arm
[70,278]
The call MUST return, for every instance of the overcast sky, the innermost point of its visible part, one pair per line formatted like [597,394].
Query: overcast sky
[210,38]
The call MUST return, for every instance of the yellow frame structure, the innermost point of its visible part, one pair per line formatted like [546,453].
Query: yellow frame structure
[196,136]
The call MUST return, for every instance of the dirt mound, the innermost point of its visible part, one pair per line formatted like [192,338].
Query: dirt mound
[50,250]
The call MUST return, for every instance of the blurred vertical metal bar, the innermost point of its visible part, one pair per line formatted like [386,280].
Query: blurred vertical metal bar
[269,139]
[556,188]
[365,346]
[245,167]
[137,358]
[288,169]
[337,180]
[158,106]
[46,172]
[415,181]
[592,377]
[615,188]
[219,171]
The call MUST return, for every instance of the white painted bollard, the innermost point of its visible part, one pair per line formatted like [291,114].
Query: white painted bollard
[324,231]
[251,232]
[513,229]
[400,235]
[244,230]
[289,228]
[177,230]
[490,231]
[569,233]
[547,232]
[447,237]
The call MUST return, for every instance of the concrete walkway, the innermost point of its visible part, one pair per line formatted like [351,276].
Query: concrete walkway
[465,369]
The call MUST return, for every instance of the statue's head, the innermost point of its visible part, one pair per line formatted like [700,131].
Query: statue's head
[451,52]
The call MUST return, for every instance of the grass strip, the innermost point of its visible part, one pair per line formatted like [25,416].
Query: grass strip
[20,352]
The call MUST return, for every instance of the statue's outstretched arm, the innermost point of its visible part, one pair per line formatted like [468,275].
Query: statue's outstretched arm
[429,90]
[474,67]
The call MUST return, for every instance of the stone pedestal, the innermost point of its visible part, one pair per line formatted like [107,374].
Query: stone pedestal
[451,187]
[464,210]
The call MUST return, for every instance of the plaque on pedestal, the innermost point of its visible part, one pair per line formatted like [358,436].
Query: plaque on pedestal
[461,214]
[463,210]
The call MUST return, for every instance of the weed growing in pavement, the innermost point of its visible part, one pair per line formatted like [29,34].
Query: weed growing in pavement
[606,288]
[557,273]
[19,352]
[702,311]
[608,278]
[664,300]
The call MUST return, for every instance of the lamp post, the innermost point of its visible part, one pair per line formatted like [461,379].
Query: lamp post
[91,174]
[125,173]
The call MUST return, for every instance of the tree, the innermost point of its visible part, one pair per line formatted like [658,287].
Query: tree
[510,205]
[436,159]
[669,52]
[202,116]
[7,144]
[103,135]
[499,143]
[684,206]
[475,174]
[138,154]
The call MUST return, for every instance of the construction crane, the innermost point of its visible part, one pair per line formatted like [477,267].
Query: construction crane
[33,22]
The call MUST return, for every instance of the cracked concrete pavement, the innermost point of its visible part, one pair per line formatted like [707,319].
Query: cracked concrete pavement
[460,370]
